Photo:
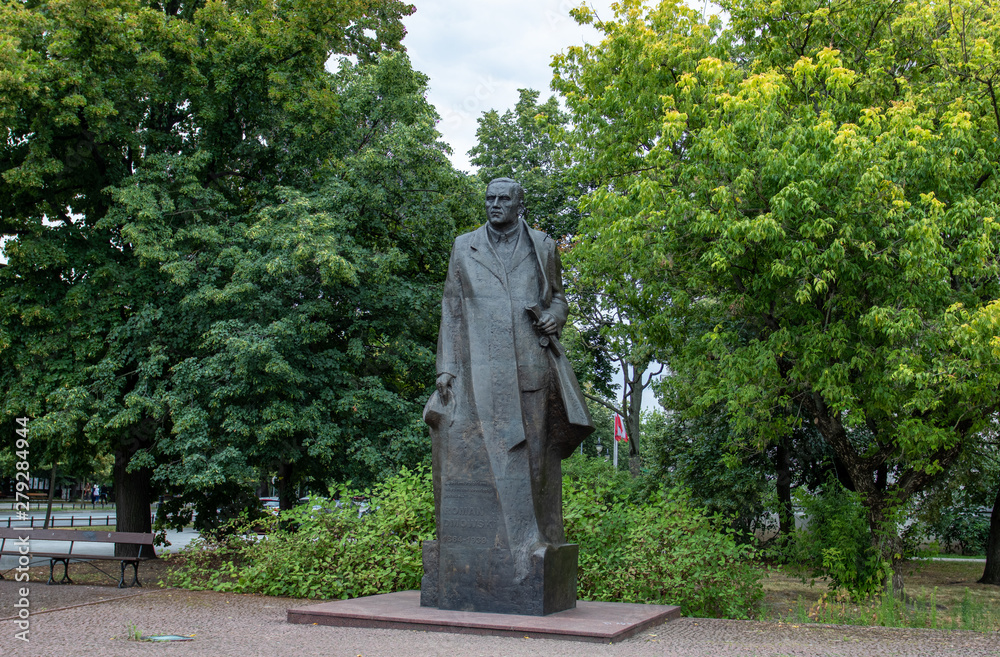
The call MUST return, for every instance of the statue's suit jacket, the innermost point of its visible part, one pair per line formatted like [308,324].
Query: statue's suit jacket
[488,342]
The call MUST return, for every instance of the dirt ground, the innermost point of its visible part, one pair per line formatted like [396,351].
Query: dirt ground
[105,573]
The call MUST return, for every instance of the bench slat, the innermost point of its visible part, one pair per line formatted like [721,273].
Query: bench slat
[78,535]
[81,556]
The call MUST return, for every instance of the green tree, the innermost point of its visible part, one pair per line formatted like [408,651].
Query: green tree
[319,363]
[821,176]
[611,318]
[162,179]
[526,144]
[697,454]
[952,508]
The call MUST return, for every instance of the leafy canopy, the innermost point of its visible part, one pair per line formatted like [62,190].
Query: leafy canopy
[810,198]
[223,256]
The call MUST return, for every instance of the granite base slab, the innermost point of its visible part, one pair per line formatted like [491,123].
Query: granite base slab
[599,622]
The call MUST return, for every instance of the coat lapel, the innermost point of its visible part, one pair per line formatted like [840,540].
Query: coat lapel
[537,240]
[525,247]
[484,255]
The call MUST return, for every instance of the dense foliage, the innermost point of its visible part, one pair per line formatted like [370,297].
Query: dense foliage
[224,258]
[835,541]
[809,201]
[637,544]
[640,542]
[328,552]
[526,144]
[724,477]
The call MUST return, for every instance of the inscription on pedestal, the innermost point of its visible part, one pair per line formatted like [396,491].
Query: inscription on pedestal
[469,515]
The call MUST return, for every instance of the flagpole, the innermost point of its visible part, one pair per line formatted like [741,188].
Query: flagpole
[616,454]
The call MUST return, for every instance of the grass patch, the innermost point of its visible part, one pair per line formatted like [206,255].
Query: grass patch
[939,594]
[94,528]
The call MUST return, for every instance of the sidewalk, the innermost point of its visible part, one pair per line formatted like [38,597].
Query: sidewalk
[254,626]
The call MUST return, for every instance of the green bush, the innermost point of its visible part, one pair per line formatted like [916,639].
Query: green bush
[658,549]
[961,532]
[326,553]
[836,542]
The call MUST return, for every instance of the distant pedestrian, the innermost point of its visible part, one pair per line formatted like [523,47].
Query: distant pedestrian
[95,494]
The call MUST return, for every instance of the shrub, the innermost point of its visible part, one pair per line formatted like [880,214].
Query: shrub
[962,532]
[325,553]
[637,544]
[660,549]
[836,541]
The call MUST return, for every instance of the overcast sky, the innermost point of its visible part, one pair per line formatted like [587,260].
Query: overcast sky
[478,53]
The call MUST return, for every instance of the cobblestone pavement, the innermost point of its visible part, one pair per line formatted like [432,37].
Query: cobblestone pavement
[252,626]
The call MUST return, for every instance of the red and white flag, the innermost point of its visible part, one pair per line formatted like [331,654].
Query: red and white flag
[620,434]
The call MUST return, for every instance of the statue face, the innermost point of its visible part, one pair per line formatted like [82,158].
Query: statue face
[501,205]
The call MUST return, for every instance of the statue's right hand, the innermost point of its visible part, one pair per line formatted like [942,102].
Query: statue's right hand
[444,386]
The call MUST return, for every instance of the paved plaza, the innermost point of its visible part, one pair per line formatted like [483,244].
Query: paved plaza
[97,621]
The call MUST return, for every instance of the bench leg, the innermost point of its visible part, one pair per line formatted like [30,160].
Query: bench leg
[65,578]
[135,575]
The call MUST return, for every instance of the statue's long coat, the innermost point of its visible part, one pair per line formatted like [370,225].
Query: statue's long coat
[488,343]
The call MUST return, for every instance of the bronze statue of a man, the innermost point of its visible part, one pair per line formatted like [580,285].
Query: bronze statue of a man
[506,411]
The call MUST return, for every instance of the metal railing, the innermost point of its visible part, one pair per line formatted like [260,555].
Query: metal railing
[57,505]
[54,523]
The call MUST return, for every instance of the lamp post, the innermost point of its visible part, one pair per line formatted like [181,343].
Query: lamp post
[600,448]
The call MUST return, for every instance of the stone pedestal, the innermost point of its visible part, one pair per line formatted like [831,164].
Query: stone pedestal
[466,578]
[474,565]
[600,622]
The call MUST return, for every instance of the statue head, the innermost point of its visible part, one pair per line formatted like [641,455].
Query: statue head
[504,202]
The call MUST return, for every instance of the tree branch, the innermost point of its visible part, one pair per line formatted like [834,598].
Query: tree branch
[603,403]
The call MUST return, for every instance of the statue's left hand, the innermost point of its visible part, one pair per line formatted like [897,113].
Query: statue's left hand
[547,324]
[443,385]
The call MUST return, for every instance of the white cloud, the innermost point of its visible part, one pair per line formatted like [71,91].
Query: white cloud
[478,54]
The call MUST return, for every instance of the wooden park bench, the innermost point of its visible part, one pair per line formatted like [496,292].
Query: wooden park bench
[73,537]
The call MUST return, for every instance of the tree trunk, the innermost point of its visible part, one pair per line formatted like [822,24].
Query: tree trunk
[286,487]
[52,492]
[888,544]
[991,574]
[843,476]
[133,493]
[783,474]
[633,422]
[865,472]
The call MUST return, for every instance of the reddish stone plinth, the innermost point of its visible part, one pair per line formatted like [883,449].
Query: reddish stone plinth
[604,622]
